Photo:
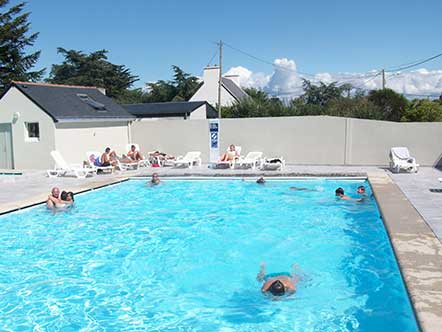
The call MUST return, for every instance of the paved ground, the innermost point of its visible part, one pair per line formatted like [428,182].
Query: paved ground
[416,188]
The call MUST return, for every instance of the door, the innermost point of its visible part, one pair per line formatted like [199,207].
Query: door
[6,161]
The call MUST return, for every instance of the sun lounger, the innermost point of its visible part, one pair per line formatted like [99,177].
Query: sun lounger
[141,163]
[252,159]
[94,155]
[400,159]
[230,163]
[191,158]
[62,168]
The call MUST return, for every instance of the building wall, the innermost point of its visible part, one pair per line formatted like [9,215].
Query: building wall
[175,137]
[73,140]
[209,90]
[27,155]
[320,140]
[199,113]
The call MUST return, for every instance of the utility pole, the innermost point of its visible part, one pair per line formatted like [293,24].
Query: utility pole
[220,77]
[383,79]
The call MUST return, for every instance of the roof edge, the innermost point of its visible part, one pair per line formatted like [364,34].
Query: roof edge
[56,85]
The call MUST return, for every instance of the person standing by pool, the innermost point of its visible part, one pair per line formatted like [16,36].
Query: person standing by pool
[277,284]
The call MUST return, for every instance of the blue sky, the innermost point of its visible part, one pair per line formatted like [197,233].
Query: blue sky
[320,36]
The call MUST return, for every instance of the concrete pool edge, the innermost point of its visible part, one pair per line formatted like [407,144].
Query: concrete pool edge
[417,249]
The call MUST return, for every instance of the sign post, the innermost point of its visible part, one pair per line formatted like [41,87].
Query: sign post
[214,140]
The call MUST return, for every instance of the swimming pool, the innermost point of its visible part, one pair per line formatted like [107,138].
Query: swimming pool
[184,256]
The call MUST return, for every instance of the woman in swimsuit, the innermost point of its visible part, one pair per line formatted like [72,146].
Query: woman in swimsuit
[230,155]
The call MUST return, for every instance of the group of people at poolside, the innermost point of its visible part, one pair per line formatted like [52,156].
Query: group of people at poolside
[59,200]
[110,158]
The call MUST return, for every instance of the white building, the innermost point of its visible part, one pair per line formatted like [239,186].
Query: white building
[231,92]
[36,118]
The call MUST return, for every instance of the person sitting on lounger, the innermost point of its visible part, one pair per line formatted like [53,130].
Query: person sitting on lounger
[277,284]
[231,154]
[339,193]
[134,154]
[161,157]
[106,159]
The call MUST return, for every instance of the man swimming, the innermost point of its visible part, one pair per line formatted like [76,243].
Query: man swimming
[53,198]
[339,193]
[277,284]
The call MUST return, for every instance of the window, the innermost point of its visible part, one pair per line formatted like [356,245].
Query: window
[94,104]
[32,132]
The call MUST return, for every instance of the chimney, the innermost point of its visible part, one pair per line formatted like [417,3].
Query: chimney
[234,78]
[102,90]
[211,75]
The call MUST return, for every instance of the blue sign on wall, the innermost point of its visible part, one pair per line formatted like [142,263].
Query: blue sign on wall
[214,135]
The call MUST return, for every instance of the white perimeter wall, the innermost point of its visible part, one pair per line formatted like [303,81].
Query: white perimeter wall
[73,140]
[320,140]
[27,155]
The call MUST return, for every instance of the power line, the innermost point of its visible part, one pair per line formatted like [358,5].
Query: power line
[416,63]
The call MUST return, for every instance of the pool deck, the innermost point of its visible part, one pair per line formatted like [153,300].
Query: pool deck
[411,213]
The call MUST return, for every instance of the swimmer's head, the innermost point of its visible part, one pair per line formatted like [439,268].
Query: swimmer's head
[261,180]
[70,196]
[64,195]
[361,190]
[55,192]
[277,288]
[339,192]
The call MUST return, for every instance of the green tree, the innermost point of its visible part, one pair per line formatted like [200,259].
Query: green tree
[182,87]
[423,110]
[15,63]
[391,103]
[323,93]
[92,70]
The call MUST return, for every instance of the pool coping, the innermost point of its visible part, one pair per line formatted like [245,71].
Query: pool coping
[417,249]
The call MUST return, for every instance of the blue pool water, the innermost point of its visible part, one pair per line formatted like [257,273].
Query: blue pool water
[184,256]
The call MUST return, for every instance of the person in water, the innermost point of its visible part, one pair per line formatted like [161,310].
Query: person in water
[261,180]
[339,193]
[155,180]
[276,284]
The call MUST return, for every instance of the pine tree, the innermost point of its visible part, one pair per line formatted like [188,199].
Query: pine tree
[15,63]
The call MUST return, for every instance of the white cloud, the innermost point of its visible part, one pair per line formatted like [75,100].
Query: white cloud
[285,81]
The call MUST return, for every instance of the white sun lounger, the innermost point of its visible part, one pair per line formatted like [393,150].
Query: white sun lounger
[400,159]
[62,168]
[230,163]
[252,159]
[96,155]
[191,158]
[141,163]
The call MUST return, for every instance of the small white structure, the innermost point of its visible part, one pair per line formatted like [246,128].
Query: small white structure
[231,92]
[37,118]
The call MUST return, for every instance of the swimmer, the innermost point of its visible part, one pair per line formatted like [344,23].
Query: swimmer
[155,180]
[339,193]
[261,180]
[302,189]
[66,200]
[277,284]
[53,198]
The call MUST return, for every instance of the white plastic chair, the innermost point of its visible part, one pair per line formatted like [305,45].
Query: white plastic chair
[62,168]
[191,158]
[252,159]
[400,159]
